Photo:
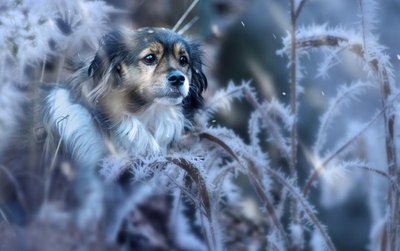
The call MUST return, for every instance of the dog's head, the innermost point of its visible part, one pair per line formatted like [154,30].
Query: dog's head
[134,69]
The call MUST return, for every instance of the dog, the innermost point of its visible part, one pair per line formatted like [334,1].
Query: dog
[138,93]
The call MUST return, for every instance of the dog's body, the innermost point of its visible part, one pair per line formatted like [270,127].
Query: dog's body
[137,95]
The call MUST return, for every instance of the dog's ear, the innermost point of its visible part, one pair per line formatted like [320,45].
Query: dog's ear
[194,100]
[106,65]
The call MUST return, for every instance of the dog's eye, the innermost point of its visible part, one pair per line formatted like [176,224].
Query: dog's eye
[149,59]
[183,60]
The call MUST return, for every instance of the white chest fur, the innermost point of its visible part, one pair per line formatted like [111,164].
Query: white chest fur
[74,124]
[152,131]
[148,133]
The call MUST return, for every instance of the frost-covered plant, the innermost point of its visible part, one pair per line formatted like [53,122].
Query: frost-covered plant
[193,191]
[327,161]
[33,31]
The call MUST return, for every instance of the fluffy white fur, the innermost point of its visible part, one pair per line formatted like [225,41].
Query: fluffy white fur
[151,132]
[75,126]
[184,89]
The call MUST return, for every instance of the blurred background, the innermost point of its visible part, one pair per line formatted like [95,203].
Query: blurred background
[240,40]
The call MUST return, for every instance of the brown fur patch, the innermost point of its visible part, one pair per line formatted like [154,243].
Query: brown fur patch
[153,48]
[179,50]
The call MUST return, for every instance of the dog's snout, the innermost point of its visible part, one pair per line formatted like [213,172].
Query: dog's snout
[176,78]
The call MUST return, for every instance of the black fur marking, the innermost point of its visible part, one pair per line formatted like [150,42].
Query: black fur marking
[194,100]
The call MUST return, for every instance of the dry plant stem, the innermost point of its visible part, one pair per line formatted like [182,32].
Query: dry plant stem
[393,169]
[271,126]
[324,125]
[328,40]
[254,180]
[195,175]
[293,95]
[218,180]
[178,205]
[300,8]
[339,150]
[189,195]
[188,25]
[360,3]
[4,217]
[384,238]
[180,21]
[307,210]
[389,121]
[393,196]
[293,106]
[381,173]
[253,176]
[197,178]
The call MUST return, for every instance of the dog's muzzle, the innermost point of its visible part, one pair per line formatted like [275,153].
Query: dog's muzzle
[176,79]
[178,82]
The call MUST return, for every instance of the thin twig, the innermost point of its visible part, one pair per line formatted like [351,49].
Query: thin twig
[271,126]
[300,8]
[255,181]
[188,25]
[194,173]
[360,2]
[320,141]
[221,143]
[177,202]
[3,216]
[218,180]
[307,210]
[180,21]
[293,106]
[208,108]
[340,149]
[188,194]
[381,173]
[293,94]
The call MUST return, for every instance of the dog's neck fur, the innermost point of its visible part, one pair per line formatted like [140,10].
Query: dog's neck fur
[151,131]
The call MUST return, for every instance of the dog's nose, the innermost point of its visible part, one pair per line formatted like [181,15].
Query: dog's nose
[176,78]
